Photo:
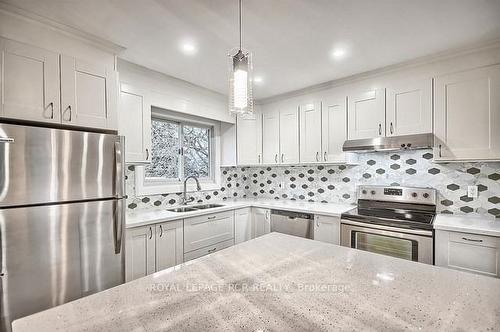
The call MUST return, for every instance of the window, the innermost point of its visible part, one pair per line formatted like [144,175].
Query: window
[179,148]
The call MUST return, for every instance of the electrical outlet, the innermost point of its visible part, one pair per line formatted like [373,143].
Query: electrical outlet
[472,191]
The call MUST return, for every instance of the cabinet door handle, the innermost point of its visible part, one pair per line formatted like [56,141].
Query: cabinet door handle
[51,104]
[259,158]
[380,129]
[276,158]
[161,230]
[70,113]
[472,240]
[440,154]
[150,233]
[317,156]
[211,250]
[282,157]
[391,128]
[147,154]
[317,221]
[212,217]
[325,156]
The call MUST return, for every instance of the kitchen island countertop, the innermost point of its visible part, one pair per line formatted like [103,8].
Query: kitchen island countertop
[280,282]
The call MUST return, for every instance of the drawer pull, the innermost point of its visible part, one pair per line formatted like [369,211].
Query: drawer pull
[213,217]
[472,240]
[211,250]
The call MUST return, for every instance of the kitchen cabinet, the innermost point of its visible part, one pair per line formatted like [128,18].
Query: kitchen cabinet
[134,122]
[289,135]
[467,115]
[327,229]
[261,221]
[249,138]
[29,79]
[409,107]
[206,231]
[366,114]
[271,137]
[310,133]
[242,225]
[468,252]
[168,244]
[88,94]
[334,130]
[139,252]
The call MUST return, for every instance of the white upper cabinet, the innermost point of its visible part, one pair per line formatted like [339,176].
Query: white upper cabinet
[270,137]
[310,133]
[334,129]
[467,115]
[289,135]
[249,139]
[366,114]
[88,94]
[29,80]
[409,108]
[134,122]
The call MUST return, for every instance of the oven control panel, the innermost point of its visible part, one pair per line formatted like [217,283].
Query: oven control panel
[398,194]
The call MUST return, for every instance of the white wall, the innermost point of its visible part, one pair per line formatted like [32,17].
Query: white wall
[170,93]
[420,68]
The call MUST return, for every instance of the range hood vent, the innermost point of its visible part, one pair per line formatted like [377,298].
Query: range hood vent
[393,143]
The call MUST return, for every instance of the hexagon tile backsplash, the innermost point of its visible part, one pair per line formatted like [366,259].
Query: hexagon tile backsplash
[327,183]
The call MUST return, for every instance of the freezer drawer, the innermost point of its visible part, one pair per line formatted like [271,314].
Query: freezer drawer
[58,253]
[43,165]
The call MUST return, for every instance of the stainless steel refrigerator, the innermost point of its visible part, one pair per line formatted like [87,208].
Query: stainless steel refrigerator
[62,212]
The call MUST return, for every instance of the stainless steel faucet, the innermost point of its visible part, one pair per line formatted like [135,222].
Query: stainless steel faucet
[185,200]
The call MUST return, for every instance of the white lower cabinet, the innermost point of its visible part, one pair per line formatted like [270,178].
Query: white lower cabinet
[261,221]
[152,248]
[139,252]
[327,229]
[468,252]
[242,225]
[204,233]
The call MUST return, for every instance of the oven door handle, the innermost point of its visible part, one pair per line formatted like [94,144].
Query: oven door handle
[386,228]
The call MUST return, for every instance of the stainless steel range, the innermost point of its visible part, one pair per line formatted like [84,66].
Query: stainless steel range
[393,221]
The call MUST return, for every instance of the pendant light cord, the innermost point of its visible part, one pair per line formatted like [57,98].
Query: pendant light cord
[240,25]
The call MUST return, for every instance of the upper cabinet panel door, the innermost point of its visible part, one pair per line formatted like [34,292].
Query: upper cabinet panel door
[409,108]
[334,123]
[88,94]
[289,135]
[310,133]
[270,137]
[467,115]
[134,122]
[29,78]
[249,139]
[366,114]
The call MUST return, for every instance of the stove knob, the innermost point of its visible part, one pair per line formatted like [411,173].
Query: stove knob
[426,195]
[414,195]
[363,192]
[373,192]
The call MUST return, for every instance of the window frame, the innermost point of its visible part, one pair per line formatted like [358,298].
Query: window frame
[153,186]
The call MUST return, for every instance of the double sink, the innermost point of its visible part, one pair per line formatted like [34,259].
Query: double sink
[195,208]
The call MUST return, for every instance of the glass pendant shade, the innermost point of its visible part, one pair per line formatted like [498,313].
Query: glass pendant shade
[240,82]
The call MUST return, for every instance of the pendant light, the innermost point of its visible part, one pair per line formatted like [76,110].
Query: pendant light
[240,78]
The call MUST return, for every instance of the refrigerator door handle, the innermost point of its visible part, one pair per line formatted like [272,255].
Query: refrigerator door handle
[120,170]
[118,224]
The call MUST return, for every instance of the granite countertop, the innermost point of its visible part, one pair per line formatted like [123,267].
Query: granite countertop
[467,224]
[145,217]
[280,282]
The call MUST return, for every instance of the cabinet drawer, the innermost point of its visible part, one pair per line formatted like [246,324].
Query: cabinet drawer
[208,250]
[203,231]
[475,253]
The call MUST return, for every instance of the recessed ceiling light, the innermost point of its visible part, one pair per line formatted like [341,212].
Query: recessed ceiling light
[338,53]
[258,79]
[188,48]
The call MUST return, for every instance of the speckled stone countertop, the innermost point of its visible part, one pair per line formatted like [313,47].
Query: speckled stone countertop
[281,283]
[145,217]
[467,224]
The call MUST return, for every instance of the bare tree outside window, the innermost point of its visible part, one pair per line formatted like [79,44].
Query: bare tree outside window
[178,150]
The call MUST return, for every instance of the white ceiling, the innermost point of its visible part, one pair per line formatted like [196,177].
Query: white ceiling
[291,40]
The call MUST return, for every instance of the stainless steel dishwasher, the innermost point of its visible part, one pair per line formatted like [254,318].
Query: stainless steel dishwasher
[292,223]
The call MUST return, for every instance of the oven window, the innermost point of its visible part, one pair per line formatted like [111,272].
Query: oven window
[386,245]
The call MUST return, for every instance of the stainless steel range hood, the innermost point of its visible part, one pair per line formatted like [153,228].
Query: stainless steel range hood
[393,143]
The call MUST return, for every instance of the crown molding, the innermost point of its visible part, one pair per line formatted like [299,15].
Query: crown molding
[94,40]
[427,59]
